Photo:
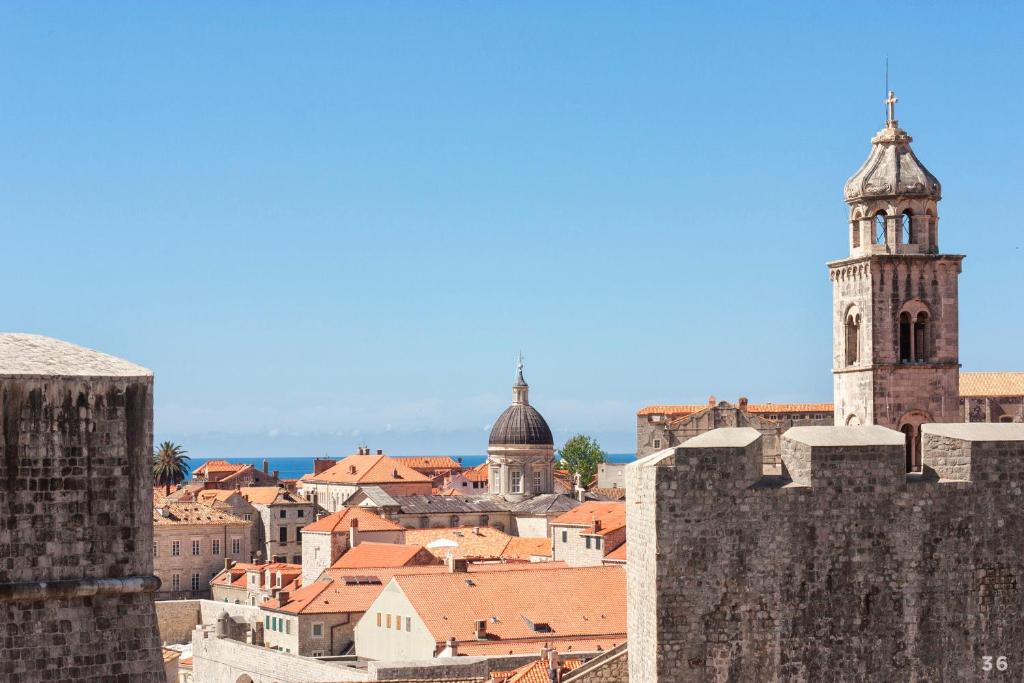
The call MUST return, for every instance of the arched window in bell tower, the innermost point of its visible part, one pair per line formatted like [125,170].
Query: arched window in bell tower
[905,338]
[852,337]
[855,231]
[906,231]
[880,229]
[921,337]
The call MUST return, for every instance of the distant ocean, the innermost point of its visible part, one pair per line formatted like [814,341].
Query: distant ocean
[293,468]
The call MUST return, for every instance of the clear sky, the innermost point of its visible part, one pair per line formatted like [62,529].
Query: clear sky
[322,224]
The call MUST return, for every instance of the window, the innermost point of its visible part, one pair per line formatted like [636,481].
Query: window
[921,337]
[906,234]
[496,478]
[236,546]
[597,543]
[175,548]
[195,546]
[317,653]
[378,619]
[387,619]
[657,443]
[282,534]
[266,623]
[408,624]
[852,338]
[536,482]
[195,582]
[287,626]
[517,482]
[284,514]
[247,517]
[301,513]
[398,622]
[565,536]
[215,546]
[905,337]
[176,582]
[298,534]
[855,232]
[454,521]
[154,548]
[296,559]
[1006,418]
[880,229]
[318,630]
[588,542]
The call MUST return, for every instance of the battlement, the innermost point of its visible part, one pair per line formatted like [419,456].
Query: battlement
[845,567]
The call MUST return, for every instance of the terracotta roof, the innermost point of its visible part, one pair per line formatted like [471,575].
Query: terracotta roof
[340,521]
[368,554]
[537,672]
[566,645]
[992,384]
[235,576]
[689,409]
[563,601]
[610,493]
[611,515]
[429,462]
[478,473]
[617,555]
[185,662]
[485,544]
[523,548]
[209,495]
[192,513]
[342,590]
[270,495]
[370,469]
[219,466]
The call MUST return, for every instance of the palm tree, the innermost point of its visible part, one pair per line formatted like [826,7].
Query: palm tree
[170,465]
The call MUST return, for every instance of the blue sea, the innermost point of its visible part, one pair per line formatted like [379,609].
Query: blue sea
[295,467]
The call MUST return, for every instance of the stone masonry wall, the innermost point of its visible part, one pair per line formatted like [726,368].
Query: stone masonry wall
[76,506]
[843,569]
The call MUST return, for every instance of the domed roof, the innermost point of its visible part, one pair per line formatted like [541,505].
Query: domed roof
[521,425]
[891,168]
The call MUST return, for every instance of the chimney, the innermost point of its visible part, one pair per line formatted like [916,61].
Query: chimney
[275,474]
[353,534]
[165,511]
[597,525]
[452,647]
[743,403]
[476,531]
[323,464]
[552,659]
[480,626]
[712,401]
[380,451]
[266,465]
[282,598]
[228,562]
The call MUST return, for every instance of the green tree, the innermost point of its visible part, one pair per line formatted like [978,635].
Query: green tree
[170,465]
[581,455]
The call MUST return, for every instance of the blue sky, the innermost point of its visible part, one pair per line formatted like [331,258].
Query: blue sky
[323,224]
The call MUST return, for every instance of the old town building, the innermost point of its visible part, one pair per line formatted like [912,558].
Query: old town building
[331,488]
[992,396]
[282,517]
[586,535]
[327,539]
[250,583]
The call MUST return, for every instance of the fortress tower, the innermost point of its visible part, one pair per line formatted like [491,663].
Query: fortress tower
[521,449]
[895,348]
[76,502]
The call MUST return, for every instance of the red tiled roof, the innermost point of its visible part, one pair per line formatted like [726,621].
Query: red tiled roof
[478,473]
[537,672]
[235,576]
[370,469]
[689,409]
[979,384]
[269,495]
[483,544]
[617,555]
[219,466]
[368,554]
[429,462]
[523,548]
[611,515]
[564,599]
[340,521]
[192,514]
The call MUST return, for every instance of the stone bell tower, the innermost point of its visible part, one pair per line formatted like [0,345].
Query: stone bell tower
[895,347]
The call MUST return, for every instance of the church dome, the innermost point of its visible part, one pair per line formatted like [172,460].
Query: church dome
[892,169]
[521,425]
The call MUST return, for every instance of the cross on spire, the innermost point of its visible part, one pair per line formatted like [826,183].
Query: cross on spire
[890,102]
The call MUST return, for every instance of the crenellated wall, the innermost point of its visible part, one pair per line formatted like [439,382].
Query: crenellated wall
[844,568]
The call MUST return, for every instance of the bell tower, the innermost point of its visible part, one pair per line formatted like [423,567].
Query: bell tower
[895,346]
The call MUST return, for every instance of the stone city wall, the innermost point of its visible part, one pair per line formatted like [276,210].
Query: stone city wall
[845,568]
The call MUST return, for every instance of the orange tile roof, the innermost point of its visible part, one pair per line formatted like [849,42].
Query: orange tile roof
[185,662]
[671,409]
[680,410]
[478,473]
[192,513]
[619,554]
[611,515]
[368,554]
[484,544]
[209,495]
[343,590]
[564,599]
[269,495]
[430,462]
[537,672]
[978,384]
[370,469]
[523,548]
[234,577]
[219,466]
[340,521]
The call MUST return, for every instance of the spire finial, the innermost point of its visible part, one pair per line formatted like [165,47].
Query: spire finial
[890,101]
[519,370]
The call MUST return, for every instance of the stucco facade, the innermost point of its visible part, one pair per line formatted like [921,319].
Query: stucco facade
[187,555]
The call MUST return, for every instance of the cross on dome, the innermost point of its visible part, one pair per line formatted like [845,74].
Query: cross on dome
[890,102]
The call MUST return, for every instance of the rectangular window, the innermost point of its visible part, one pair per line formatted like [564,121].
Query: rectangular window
[215,547]
[378,619]
[284,514]
[301,513]
[176,582]
[154,548]
[408,623]
[236,546]
[296,559]
[282,534]
[597,543]
[266,623]
[318,630]
[288,626]
[195,582]
[298,534]
[565,536]
[657,443]
[398,622]
[517,482]
[387,618]
[175,548]
[247,516]
[317,653]
[588,542]
[536,482]
[195,546]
